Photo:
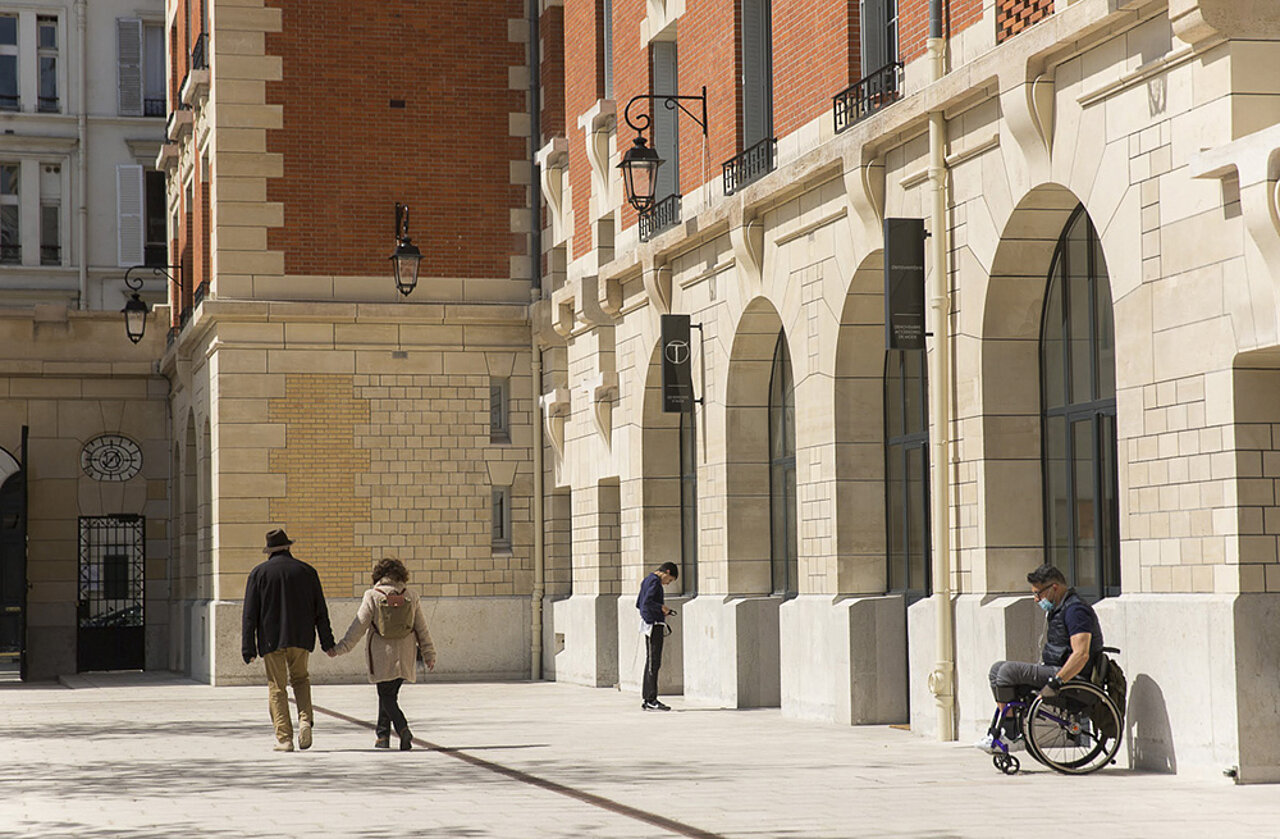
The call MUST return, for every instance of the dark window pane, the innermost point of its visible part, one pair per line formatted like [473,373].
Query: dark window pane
[48,83]
[917,553]
[8,82]
[1079,305]
[8,30]
[896,515]
[1106,339]
[1053,332]
[48,34]
[1057,490]
[1109,506]
[1086,554]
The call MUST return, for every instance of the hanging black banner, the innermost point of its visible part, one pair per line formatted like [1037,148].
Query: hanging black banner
[677,376]
[904,283]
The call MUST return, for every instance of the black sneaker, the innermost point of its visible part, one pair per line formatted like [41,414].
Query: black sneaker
[655,705]
[382,743]
[406,740]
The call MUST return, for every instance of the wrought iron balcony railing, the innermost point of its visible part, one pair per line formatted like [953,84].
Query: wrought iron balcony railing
[867,95]
[50,255]
[153,107]
[10,254]
[664,215]
[199,294]
[752,165]
[47,104]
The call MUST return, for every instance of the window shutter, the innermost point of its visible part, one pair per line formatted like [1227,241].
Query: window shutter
[129,217]
[757,72]
[129,64]
[875,46]
[666,122]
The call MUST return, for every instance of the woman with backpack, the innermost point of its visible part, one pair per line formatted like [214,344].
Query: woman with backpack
[399,631]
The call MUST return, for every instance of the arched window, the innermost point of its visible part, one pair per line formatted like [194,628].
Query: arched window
[784,562]
[688,505]
[906,473]
[1078,426]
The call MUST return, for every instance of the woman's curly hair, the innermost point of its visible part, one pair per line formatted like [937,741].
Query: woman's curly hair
[391,568]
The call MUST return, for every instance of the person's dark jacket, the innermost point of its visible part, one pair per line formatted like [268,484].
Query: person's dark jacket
[283,607]
[1073,615]
[650,600]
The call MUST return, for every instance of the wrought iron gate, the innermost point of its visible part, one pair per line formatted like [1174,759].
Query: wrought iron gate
[111,593]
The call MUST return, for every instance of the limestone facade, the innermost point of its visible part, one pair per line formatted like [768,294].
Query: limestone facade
[1157,122]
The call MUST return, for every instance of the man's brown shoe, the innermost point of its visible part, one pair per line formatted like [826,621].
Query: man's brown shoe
[304,736]
[382,743]
[284,746]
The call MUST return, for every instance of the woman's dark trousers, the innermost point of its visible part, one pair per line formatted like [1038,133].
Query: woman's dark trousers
[389,712]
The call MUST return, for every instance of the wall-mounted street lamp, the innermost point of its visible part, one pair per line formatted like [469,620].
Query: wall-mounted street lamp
[135,309]
[640,164]
[407,259]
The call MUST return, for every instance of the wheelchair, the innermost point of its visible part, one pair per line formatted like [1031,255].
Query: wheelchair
[1076,731]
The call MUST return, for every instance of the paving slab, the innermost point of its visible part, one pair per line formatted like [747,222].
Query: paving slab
[153,755]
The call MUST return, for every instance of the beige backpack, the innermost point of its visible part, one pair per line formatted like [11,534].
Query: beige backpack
[392,614]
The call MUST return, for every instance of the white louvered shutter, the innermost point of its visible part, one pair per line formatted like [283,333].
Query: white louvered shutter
[129,227]
[665,120]
[129,63]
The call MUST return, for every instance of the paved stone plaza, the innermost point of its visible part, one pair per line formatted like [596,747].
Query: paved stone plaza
[152,756]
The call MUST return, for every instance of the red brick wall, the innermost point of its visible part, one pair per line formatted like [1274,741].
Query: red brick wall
[815,56]
[349,156]
[581,90]
[913,23]
[551,28]
[1013,16]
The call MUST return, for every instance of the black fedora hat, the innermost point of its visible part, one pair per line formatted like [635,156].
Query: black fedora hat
[276,540]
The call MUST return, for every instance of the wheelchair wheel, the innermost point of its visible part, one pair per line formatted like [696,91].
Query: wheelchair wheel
[1006,763]
[1077,731]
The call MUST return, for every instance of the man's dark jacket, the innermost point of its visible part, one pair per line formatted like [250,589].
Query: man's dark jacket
[650,599]
[283,607]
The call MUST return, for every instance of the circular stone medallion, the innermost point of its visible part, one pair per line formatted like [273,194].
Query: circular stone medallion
[111,457]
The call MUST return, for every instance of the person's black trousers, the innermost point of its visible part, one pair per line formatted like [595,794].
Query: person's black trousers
[389,712]
[652,663]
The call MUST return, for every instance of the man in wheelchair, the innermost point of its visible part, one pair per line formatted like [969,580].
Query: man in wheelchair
[1073,642]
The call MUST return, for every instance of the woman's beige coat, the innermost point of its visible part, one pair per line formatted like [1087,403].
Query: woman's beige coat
[390,659]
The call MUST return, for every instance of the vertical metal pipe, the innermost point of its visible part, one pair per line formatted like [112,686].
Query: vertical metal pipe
[535,358]
[82,157]
[942,679]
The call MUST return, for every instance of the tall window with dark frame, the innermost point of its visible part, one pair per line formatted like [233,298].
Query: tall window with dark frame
[906,456]
[10,213]
[784,556]
[1078,425]
[757,71]
[156,246]
[9,95]
[47,59]
[663,81]
[879,32]
[604,51]
[688,504]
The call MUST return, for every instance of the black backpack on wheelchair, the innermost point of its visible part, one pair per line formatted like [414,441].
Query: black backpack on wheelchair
[1108,675]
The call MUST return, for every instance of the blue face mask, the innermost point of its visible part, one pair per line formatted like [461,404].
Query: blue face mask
[1046,605]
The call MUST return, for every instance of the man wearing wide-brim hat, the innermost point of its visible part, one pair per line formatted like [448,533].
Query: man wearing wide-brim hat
[283,609]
